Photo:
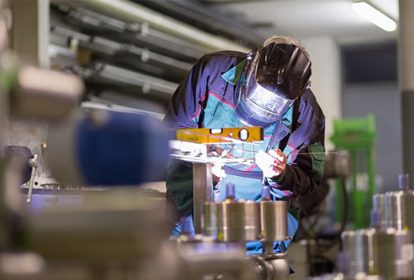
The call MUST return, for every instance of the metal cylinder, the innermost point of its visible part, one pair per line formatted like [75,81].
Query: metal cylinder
[395,210]
[273,220]
[338,164]
[46,94]
[237,221]
[393,254]
[209,221]
[124,225]
[280,267]
[378,214]
[359,249]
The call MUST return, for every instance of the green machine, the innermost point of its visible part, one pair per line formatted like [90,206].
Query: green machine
[357,136]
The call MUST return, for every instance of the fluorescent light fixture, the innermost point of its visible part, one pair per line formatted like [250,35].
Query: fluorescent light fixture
[373,15]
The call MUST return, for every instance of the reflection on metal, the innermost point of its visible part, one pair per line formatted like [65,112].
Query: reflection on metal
[388,254]
[275,267]
[273,218]
[132,32]
[359,247]
[106,75]
[393,209]
[393,254]
[237,221]
[127,54]
[202,191]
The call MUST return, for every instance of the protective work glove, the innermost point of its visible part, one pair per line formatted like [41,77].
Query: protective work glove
[218,170]
[272,163]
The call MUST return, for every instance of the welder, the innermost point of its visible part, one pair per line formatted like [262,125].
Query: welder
[268,87]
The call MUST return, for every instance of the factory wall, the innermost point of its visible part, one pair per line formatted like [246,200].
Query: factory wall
[383,100]
[326,79]
[370,86]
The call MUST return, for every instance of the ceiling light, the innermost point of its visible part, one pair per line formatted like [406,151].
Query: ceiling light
[373,15]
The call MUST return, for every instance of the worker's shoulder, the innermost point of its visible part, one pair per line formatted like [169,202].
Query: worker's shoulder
[309,102]
[223,57]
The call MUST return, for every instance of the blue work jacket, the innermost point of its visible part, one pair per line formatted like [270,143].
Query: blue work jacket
[208,97]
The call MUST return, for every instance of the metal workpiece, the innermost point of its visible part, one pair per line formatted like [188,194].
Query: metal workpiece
[209,221]
[202,192]
[393,254]
[273,220]
[217,260]
[338,164]
[378,212]
[238,221]
[393,210]
[43,94]
[232,220]
[388,254]
[109,226]
[275,267]
[358,248]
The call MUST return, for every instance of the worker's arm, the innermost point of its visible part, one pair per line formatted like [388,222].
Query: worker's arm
[303,175]
[301,172]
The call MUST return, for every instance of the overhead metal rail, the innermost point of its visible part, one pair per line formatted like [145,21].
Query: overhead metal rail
[109,76]
[133,12]
[207,18]
[126,54]
[140,34]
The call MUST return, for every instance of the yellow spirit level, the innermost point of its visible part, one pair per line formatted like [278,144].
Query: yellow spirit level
[220,135]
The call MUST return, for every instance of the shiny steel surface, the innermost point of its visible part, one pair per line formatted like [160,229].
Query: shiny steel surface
[378,214]
[232,220]
[209,222]
[393,210]
[273,220]
[238,221]
[359,248]
[393,254]
[108,226]
[202,191]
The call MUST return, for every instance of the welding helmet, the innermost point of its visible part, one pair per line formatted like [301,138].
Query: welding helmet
[275,76]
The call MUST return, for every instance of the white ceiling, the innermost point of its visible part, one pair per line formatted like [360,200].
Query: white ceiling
[313,18]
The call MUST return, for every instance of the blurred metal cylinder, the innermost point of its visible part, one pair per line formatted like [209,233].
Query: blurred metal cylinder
[337,165]
[46,94]
[110,226]
[209,221]
[393,210]
[359,248]
[232,221]
[273,220]
[378,212]
[393,254]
